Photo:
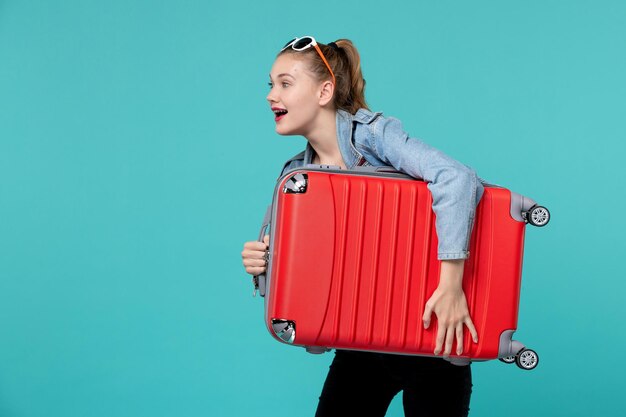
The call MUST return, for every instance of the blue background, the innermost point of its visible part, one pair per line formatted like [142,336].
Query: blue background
[138,153]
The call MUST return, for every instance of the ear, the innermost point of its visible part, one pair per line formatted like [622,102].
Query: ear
[326,92]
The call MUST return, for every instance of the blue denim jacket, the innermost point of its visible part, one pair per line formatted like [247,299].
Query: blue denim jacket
[368,138]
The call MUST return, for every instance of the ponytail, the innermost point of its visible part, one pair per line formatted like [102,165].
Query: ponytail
[344,59]
[350,88]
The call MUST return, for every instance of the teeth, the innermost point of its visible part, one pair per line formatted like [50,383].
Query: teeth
[277,112]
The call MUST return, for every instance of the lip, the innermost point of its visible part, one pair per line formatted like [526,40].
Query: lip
[277,118]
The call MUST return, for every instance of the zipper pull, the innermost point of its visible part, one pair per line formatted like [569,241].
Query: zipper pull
[255,282]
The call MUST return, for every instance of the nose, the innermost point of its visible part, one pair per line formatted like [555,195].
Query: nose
[271,97]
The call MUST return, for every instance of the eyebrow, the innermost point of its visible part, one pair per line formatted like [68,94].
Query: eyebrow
[284,74]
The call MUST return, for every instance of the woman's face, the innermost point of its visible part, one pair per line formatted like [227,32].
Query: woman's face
[294,96]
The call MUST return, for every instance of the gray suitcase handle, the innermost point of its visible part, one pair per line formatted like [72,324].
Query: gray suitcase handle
[371,168]
[385,169]
[259,281]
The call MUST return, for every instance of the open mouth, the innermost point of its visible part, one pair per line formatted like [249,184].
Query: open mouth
[279,113]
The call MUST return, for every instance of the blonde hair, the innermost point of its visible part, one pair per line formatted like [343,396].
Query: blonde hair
[345,61]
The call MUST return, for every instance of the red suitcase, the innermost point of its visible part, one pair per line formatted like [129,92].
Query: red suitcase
[353,260]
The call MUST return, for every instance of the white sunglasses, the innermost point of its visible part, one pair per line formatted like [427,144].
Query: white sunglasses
[305,42]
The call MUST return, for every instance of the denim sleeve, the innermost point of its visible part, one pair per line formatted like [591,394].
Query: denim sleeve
[455,188]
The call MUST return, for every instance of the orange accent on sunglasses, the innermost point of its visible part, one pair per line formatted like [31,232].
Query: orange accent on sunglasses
[319,51]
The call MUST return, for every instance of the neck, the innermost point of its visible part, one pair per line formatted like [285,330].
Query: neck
[323,140]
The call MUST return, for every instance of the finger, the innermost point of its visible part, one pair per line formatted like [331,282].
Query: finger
[254,246]
[449,341]
[472,329]
[428,311]
[253,254]
[254,262]
[266,240]
[441,334]
[254,270]
[459,339]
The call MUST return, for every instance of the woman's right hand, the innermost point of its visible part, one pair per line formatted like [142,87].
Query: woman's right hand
[253,256]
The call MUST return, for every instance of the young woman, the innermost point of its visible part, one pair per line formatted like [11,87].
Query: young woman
[317,91]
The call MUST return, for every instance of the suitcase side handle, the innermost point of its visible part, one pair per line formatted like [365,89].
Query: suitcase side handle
[259,280]
[389,171]
[359,168]
[382,168]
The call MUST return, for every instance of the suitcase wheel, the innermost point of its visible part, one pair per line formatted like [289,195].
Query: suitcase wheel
[285,330]
[316,350]
[296,184]
[538,216]
[508,359]
[527,359]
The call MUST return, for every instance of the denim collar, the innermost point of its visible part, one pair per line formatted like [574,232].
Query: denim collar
[345,134]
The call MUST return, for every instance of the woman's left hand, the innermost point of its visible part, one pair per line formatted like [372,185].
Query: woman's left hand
[450,306]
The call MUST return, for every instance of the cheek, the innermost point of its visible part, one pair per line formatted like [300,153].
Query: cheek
[301,102]
[306,102]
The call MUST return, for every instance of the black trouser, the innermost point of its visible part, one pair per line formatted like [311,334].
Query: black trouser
[362,384]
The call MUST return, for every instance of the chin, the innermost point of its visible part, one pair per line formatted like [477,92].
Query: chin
[281,130]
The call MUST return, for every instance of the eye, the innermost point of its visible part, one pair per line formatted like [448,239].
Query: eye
[285,84]
[270,84]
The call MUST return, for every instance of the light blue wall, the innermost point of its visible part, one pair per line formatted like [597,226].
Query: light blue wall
[138,153]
